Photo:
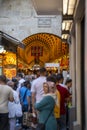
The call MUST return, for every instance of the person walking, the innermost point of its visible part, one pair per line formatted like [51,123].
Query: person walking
[37,88]
[6,95]
[12,106]
[21,80]
[64,96]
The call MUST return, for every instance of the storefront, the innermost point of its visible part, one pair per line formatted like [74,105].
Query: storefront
[8,55]
[9,64]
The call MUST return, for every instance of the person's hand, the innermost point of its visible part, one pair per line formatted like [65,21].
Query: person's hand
[33,110]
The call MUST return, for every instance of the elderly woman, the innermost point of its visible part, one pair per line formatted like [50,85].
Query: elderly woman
[46,109]
[12,107]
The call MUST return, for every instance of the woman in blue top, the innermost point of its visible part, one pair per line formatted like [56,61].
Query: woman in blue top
[25,96]
[46,109]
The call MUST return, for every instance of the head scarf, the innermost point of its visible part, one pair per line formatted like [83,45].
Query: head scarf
[52,85]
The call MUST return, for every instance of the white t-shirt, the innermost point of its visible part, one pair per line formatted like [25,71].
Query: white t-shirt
[37,87]
[5,93]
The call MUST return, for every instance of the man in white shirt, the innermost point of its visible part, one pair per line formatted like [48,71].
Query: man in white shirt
[37,88]
[20,81]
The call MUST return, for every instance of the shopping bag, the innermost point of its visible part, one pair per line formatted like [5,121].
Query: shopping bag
[27,119]
[18,110]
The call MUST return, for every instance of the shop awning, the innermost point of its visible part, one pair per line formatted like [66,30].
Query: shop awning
[10,43]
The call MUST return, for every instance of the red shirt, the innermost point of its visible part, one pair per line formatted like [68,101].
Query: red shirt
[64,93]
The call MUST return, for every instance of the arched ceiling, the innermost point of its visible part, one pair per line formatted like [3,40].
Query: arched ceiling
[51,44]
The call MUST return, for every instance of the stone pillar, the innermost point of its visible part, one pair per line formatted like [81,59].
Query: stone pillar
[78,72]
[72,53]
[85,59]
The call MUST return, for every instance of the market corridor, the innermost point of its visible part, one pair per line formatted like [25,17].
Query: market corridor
[49,34]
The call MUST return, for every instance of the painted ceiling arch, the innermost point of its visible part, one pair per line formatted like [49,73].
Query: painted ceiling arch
[51,44]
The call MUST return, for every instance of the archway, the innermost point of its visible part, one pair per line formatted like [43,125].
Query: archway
[41,48]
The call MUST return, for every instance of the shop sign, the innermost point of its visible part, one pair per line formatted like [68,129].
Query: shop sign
[52,64]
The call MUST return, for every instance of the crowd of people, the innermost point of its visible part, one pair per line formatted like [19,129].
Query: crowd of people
[43,95]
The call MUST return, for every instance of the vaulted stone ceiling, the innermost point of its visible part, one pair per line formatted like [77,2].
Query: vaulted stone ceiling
[52,48]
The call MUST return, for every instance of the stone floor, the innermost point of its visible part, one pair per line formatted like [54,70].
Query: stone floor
[19,128]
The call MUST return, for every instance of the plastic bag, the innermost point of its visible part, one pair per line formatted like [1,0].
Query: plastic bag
[18,109]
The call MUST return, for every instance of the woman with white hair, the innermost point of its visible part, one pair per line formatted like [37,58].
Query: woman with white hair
[12,107]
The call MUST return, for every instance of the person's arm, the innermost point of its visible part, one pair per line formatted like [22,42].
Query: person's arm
[33,95]
[45,101]
[11,98]
[67,99]
[29,99]
[33,101]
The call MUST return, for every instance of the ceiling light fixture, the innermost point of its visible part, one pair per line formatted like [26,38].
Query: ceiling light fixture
[68,7]
[71,7]
[65,6]
[68,11]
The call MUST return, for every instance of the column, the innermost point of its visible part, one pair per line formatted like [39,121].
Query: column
[72,53]
[85,56]
[78,72]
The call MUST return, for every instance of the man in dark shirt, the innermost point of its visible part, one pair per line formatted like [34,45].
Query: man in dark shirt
[64,97]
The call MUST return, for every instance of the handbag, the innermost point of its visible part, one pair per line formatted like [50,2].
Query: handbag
[34,119]
[41,126]
[27,119]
